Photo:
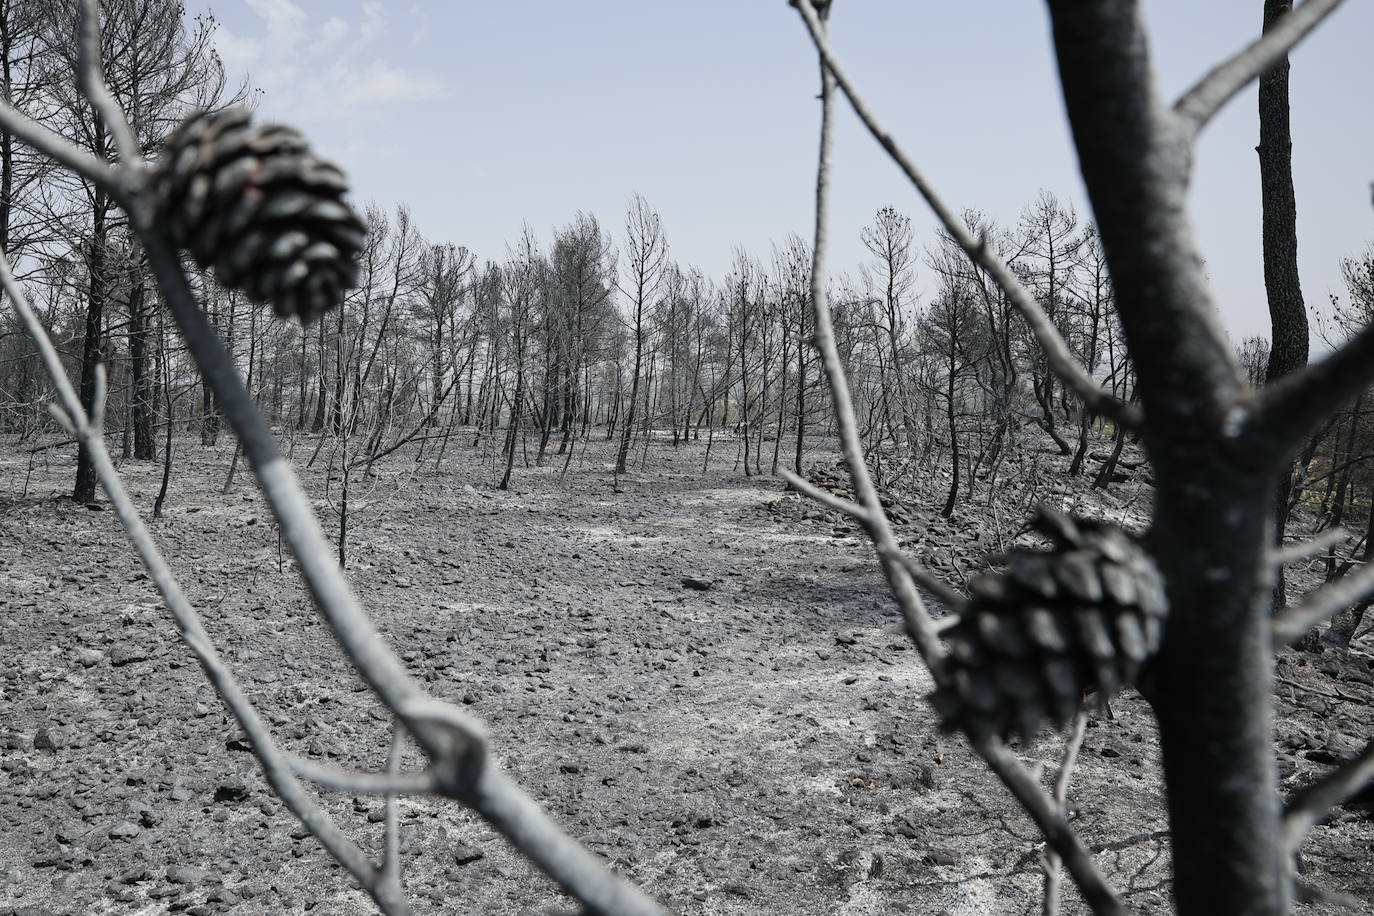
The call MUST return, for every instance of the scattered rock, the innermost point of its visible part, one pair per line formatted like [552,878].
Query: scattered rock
[696,584]
[126,654]
[232,790]
[89,658]
[463,854]
[189,874]
[124,830]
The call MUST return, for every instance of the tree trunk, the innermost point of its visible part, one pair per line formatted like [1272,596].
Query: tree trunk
[92,349]
[141,380]
[1279,234]
[948,509]
[1212,682]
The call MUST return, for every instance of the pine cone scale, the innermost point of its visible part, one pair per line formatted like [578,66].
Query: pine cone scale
[255,205]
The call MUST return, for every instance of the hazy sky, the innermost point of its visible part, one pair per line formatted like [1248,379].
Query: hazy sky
[482,116]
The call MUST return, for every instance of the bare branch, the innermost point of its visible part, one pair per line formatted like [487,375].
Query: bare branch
[59,149]
[933,584]
[919,624]
[826,498]
[1057,352]
[1282,414]
[452,741]
[1312,802]
[520,819]
[1307,893]
[91,77]
[274,763]
[1313,546]
[1052,861]
[1049,817]
[1199,104]
[391,855]
[1326,602]
[363,783]
[918,621]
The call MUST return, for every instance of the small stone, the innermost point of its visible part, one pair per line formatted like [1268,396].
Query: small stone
[125,654]
[89,658]
[232,790]
[124,830]
[463,854]
[136,876]
[697,584]
[188,874]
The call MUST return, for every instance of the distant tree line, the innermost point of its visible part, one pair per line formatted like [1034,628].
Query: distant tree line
[587,334]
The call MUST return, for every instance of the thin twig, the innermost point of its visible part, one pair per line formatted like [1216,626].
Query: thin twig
[1054,825]
[62,150]
[1301,550]
[391,856]
[920,626]
[363,783]
[1291,623]
[91,77]
[1282,414]
[933,584]
[1057,352]
[461,765]
[1052,862]
[1209,95]
[1312,802]
[275,766]
[826,498]
[919,623]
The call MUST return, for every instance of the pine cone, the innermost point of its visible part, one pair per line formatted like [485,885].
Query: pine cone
[1031,640]
[256,205]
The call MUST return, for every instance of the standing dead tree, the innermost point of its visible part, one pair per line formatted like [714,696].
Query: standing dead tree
[1218,447]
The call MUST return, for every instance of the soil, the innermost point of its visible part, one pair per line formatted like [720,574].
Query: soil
[700,674]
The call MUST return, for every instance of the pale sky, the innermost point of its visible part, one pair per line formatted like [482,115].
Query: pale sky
[483,116]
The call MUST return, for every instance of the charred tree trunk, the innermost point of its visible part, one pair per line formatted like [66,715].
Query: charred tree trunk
[1279,234]
[92,349]
[1211,684]
[141,380]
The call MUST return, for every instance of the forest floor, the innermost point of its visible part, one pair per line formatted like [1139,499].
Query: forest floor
[700,674]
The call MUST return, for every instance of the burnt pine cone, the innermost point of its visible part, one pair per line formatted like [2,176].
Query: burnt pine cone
[255,204]
[1085,615]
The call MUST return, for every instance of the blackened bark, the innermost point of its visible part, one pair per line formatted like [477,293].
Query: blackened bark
[317,424]
[1279,235]
[92,349]
[141,380]
[1104,474]
[953,428]
[1211,684]
[1279,232]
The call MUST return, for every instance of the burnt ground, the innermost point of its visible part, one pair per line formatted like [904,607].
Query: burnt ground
[759,746]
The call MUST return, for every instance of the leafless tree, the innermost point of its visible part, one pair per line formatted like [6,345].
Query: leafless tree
[646,260]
